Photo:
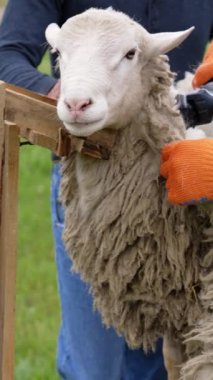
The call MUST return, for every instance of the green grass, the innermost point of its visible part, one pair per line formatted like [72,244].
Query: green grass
[44,67]
[37,308]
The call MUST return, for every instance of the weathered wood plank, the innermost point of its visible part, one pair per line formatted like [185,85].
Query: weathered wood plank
[31,111]
[8,242]
[2,107]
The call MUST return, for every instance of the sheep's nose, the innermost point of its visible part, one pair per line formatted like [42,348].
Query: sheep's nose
[76,106]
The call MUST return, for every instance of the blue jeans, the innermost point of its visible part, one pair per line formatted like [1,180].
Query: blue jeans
[86,349]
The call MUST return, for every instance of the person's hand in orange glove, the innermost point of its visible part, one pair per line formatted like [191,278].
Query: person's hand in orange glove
[204,72]
[188,167]
[188,164]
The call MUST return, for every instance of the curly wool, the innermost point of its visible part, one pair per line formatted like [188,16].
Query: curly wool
[141,256]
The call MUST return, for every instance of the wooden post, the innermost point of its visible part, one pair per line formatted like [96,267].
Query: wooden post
[2,108]
[8,243]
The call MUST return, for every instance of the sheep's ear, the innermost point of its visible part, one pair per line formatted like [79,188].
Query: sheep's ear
[162,43]
[51,34]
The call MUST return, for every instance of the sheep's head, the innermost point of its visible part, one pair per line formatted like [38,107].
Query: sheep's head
[101,55]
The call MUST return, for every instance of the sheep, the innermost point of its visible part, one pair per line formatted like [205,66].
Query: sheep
[148,263]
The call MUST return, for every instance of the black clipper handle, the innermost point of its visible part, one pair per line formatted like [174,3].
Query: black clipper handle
[197,106]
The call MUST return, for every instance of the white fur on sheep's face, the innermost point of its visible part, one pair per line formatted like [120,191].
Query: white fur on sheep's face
[101,55]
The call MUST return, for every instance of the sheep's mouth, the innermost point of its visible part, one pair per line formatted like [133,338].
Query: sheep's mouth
[84,129]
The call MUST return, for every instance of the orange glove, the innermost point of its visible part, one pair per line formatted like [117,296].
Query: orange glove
[204,72]
[188,167]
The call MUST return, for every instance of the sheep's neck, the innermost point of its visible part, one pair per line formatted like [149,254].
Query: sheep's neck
[132,144]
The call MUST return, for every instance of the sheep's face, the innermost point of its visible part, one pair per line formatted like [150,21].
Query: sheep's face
[98,59]
[101,55]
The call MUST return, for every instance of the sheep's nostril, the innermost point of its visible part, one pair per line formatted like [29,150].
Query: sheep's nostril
[67,105]
[85,104]
[75,105]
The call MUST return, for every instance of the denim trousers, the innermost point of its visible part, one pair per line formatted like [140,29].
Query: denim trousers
[86,349]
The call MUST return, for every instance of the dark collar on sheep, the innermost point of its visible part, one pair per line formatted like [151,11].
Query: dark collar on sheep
[99,145]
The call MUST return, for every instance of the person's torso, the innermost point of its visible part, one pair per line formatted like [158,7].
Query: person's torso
[162,16]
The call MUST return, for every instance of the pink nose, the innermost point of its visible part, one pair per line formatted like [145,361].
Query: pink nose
[76,106]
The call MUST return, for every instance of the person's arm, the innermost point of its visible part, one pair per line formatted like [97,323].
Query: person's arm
[22,42]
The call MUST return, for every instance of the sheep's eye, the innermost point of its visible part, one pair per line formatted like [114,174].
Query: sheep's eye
[131,53]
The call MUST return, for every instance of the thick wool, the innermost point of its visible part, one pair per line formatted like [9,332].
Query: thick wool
[202,335]
[142,257]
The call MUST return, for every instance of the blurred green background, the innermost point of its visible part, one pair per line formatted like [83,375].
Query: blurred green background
[37,315]
[37,306]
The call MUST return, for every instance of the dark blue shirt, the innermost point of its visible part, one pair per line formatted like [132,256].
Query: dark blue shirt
[22,40]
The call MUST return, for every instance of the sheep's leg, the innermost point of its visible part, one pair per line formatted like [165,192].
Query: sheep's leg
[173,356]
